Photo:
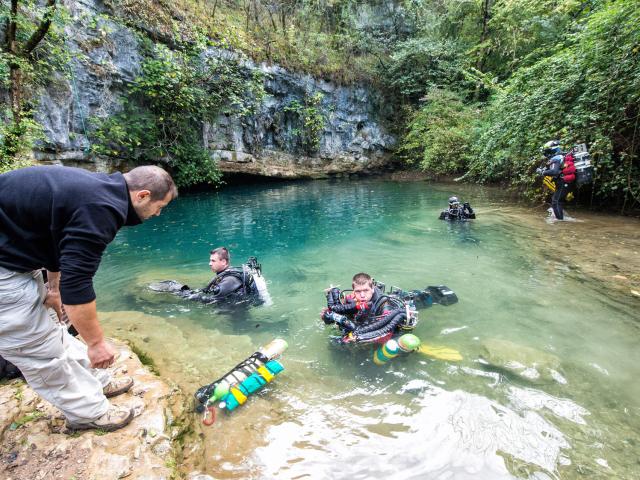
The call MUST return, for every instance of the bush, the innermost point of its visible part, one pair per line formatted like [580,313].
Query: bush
[587,91]
[440,134]
[177,91]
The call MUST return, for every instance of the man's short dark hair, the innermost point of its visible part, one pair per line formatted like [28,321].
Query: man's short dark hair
[361,279]
[152,178]
[222,252]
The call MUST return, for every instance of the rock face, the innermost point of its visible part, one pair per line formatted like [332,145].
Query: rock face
[33,445]
[352,139]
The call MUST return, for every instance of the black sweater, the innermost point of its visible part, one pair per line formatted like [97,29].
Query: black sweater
[61,219]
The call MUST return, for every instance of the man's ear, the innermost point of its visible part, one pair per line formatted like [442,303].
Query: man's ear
[142,194]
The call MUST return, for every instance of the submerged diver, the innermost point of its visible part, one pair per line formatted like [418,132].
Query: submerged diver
[456,211]
[231,285]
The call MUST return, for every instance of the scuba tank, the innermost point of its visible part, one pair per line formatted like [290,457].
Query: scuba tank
[240,381]
[392,348]
[255,269]
[582,162]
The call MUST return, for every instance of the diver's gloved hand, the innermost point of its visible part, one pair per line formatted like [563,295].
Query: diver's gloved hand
[346,324]
[333,297]
[326,316]
[539,170]
[343,322]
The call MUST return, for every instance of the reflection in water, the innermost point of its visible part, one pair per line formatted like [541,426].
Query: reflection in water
[442,435]
[547,387]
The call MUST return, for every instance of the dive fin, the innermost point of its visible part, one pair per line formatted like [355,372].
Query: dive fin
[441,353]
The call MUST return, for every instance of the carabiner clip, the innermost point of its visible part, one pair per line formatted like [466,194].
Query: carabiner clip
[209,415]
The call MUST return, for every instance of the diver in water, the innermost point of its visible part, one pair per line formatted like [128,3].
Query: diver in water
[228,280]
[456,211]
[231,285]
[368,314]
[365,315]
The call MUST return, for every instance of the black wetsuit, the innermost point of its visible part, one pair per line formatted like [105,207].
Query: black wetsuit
[224,283]
[232,285]
[554,168]
[381,317]
[465,212]
[362,316]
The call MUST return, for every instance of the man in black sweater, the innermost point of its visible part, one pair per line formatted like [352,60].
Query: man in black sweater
[62,219]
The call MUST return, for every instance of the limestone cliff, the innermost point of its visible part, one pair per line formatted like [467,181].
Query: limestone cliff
[108,57]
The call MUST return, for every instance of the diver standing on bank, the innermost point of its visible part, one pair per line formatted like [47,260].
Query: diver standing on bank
[563,171]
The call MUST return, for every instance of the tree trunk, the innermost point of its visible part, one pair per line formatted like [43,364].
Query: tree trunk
[15,76]
[17,54]
[215,7]
[485,12]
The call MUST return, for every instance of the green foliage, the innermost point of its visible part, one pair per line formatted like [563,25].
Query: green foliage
[311,119]
[19,131]
[440,134]
[176,92]
[17,140]
[144,358]
[420,64]
[29,417]
[588,91]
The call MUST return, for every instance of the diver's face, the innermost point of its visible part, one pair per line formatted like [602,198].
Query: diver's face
[216,263]
[363,293]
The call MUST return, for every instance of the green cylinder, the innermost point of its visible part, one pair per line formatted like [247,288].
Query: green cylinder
[408,342]
[386,352]
[220,391]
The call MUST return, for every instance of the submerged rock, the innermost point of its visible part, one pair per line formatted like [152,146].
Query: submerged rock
[525,362]
[34,444]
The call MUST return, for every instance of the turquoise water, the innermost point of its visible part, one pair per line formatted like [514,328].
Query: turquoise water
[547,387]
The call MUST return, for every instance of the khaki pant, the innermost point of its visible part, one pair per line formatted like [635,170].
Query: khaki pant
[53,363]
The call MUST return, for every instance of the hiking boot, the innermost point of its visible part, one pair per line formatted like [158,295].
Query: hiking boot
[115,418]
[117,386]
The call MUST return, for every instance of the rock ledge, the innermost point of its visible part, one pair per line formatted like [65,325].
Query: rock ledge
[34,445]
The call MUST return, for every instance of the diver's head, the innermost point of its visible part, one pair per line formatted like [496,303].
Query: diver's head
[454,202]
[219,259]
[551,148]
[362,284]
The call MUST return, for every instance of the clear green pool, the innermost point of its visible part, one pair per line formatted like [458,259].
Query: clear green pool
[334,414]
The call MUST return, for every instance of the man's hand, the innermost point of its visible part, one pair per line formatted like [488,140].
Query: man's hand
[52,300]
[101,355]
